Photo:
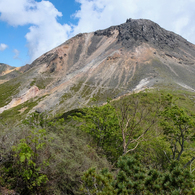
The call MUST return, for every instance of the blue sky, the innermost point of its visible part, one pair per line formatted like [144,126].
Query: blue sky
[29,28]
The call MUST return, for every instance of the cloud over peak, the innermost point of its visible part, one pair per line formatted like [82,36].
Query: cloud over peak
[45,32]
[177,16]
[22,12]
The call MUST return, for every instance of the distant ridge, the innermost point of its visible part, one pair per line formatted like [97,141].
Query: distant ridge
[5,67]
[8,72]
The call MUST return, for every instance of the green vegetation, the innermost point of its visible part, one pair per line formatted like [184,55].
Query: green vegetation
[108,93]
[139,144]
[133,178]
[87,89]
[43,156]
[65,97]
[102,124]
[178,128]
[40,82]
[75,88]
[7,91]
[19,112]
[26,166]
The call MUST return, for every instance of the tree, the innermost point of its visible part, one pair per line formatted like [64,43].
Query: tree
[178,128]
[27,164]
[129,179]
[132,177]
[120,126]
[95,183]
[101,123]
[177,180]
[137,115]
[25,169]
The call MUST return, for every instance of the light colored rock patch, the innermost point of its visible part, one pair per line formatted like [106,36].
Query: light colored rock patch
[31,93]
[3,81]
[142,84]
[22,110]
[8,71]
[185,86]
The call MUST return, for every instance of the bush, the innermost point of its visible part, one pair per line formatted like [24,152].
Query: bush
[133,178]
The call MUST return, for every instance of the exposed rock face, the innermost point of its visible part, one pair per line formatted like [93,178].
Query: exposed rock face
[31,93]
[110,63]
[135,32]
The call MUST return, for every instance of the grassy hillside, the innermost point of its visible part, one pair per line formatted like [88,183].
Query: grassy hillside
[7,91]
[63,154]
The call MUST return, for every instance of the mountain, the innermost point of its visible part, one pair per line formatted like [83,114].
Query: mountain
[7,72]
[4,68]
[108,63]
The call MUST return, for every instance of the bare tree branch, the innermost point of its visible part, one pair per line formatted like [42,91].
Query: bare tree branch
[166,156]
[133,148]
[189,162]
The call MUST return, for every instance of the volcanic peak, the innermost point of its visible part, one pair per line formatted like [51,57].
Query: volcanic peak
[137,31]
[129,57]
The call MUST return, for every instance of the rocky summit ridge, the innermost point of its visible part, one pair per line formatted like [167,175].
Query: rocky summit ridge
[135,32]
[105,64]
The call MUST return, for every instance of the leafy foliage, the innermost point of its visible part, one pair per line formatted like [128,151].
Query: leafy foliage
[102,124]
[25,167]
[130,177]
[47,157]
[137,116]
[133,178]
[100,184]
[178,128]
[119,127]
[72,156]
[148,123]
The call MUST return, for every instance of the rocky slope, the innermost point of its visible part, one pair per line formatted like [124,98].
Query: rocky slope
[107,64]
[4,68]
[8,72]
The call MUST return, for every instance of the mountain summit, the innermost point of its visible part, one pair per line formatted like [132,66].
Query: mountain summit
[105,64]
[135,32]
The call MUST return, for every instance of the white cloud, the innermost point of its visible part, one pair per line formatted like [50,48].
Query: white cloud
[100,14]
[3,47]
[17,53]
[45,37]
[45,32]
[174,15]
